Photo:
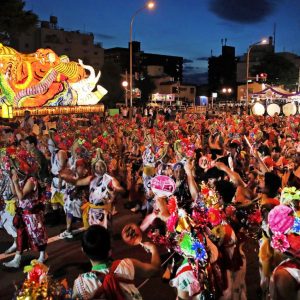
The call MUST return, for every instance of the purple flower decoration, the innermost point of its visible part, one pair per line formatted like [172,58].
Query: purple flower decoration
[280,242]
[200,251]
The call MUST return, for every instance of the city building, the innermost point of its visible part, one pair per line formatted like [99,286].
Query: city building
[183,93]
[172,65]
[222,74]
[75,44]
[256,55]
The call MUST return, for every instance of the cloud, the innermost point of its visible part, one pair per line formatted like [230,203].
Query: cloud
[187,61]
[189,68]
[196,78]
[202,58]
[245,11]
[104,36]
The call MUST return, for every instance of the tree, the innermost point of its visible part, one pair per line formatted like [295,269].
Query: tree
[111,80]
[14,19]
[147,86]
[279,70]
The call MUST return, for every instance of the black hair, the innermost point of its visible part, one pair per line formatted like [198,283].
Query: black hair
[264,150]
[234,145]
[226,189]
[96,243]
[272,184]
[277,149]
[215,173]
[31,139]
[8,130]
[254,173]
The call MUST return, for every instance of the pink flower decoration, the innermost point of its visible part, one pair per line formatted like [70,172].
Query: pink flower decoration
[280,242]
[171,222]
[280,218]
[214,216]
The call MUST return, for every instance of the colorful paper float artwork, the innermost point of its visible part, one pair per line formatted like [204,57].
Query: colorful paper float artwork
[45,79]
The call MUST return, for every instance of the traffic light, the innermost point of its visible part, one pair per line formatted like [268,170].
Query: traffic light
[263,76]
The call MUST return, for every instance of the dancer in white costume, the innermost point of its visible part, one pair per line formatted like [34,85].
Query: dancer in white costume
[103,188]
[8,212]
[59,161]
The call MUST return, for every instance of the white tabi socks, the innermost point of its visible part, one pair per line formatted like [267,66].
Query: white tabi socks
[15,263]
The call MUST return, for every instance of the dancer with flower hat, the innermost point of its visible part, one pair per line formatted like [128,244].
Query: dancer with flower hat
[28,220]
[59,161]
[284,225]
[103,188]
[77,167]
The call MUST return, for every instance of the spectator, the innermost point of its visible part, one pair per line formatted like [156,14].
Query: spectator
[97,283]
[28,122]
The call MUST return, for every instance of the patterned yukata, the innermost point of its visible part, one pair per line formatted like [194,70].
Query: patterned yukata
[8,212]
[72,196]
[148,168]
[29,221]
[86,285]
[57,194]
[99,200]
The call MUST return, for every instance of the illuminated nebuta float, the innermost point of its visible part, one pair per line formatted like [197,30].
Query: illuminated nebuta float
[45,79]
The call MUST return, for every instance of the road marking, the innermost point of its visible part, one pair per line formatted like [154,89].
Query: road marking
[50,240]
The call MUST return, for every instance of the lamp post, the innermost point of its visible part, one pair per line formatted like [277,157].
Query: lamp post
[149,5]
[125,85]
[227,92]
[262,42]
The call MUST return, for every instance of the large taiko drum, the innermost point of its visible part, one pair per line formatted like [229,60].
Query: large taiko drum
[258,109]
[273,109]
[289,109]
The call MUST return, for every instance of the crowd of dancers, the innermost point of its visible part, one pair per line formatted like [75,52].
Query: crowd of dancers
[231,178]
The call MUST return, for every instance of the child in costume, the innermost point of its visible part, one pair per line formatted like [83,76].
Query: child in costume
[109,280]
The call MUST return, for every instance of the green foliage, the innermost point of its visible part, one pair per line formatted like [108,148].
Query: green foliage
[14,19]
[280,70]
[111,80]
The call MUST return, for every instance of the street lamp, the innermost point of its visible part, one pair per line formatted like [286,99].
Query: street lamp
[125,85]
[262,42]
[226,92]
[148,5]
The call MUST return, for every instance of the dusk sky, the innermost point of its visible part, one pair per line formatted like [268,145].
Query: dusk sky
[187,28]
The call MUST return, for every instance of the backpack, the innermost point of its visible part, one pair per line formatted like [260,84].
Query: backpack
[111,284]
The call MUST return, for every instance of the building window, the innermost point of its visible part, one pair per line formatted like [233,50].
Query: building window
[192,90]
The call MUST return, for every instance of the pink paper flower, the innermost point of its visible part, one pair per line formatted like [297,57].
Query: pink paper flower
[280,242]
[171,222]
[280,218]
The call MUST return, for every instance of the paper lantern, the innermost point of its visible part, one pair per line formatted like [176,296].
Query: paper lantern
[7,111]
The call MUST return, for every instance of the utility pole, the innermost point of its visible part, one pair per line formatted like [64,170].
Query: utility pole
[299,80]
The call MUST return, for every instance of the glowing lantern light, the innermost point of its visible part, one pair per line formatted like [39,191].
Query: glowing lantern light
[7,111]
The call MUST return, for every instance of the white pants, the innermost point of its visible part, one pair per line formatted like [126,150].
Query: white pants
[6,221]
